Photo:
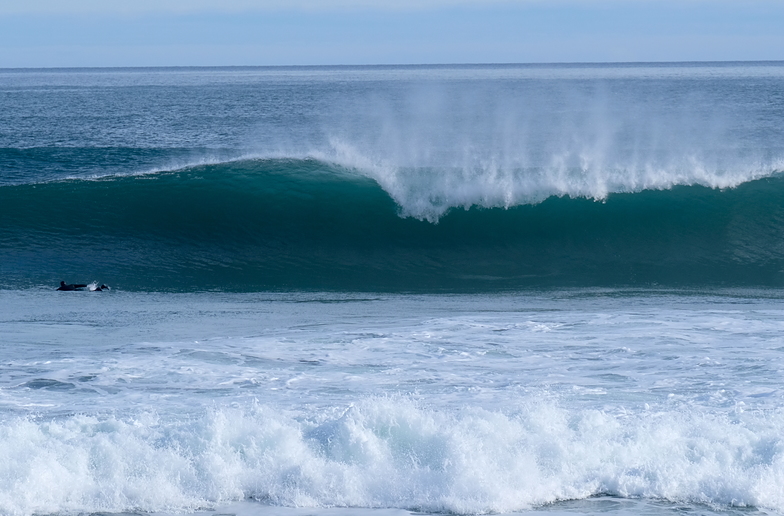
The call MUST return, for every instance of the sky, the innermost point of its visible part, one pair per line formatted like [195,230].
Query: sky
[76,33]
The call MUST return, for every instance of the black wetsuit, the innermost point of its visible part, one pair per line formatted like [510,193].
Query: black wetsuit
[72,286]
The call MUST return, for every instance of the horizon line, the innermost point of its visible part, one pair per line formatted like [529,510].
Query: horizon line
[392,66]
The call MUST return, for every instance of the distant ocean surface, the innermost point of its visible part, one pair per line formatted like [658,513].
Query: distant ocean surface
[356,291]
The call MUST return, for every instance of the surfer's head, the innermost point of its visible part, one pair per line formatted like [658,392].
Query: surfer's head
[62,283]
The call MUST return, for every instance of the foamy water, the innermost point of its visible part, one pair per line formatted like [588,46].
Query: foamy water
[115,402]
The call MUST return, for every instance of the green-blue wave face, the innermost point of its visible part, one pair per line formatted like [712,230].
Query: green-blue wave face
[306,224]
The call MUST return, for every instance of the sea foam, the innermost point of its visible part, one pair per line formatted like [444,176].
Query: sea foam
[388,452]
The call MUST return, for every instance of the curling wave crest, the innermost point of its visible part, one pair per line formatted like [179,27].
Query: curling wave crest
[489,180]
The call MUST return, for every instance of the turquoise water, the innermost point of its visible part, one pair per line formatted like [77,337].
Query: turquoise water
[294,224]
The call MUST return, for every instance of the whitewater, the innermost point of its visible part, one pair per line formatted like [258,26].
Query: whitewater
[468,404]
[386,291]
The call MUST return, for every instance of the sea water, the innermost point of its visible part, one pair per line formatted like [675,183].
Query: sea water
[393,290]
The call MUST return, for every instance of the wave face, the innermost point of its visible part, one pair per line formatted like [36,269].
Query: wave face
[308,224]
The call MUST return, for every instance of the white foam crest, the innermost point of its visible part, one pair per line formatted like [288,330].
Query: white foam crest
[427,193]
[179,165]
[183,165]
[389,452]
[456,145]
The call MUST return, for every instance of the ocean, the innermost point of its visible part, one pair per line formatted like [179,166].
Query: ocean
[392,291]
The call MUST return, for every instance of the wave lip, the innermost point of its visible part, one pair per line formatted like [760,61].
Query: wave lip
[389,453]
[308,224]
[500,181]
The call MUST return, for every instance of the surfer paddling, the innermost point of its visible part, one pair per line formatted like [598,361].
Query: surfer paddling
[71,286]
[79,286]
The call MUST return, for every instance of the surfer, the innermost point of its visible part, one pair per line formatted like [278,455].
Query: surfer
[71,286]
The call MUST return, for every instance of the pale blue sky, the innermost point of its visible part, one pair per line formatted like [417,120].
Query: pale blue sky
[47,33]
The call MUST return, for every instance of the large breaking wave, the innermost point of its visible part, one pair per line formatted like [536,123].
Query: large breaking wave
[307,223]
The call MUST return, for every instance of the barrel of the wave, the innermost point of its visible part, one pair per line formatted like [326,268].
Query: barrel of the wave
[308,224]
